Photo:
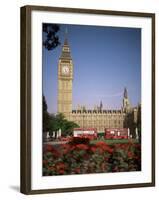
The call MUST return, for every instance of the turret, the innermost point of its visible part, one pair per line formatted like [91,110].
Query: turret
[126,104]
[101,106]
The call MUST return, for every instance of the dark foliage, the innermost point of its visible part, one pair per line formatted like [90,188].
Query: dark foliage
[79,140]
[45,116]
[52,122]
[51,40]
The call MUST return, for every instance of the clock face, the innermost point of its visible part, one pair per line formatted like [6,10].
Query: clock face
[65,70]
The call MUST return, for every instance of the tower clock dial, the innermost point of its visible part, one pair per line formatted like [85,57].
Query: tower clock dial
[65,70]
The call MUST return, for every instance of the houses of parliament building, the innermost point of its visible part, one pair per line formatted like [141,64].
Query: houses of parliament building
[96,118]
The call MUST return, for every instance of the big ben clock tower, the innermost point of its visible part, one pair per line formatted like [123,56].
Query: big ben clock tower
[65,78]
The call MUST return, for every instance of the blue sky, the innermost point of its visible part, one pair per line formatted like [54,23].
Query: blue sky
[106,59]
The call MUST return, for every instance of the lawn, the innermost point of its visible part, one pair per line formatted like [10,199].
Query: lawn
[114,141]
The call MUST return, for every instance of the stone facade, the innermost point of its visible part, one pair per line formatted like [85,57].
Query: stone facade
[96,118]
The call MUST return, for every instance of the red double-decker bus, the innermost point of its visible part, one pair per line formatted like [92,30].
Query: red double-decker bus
[116,133]
[90,133]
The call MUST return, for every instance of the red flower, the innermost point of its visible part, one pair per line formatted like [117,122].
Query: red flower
[104,147]
[106,158]
[82,146]
[77,170]
[61,171]
[60,165]
[93,149]
[66,148]
[48,148]
[130,154]
[100,143]
[60,168]
[51,168]
[100,150]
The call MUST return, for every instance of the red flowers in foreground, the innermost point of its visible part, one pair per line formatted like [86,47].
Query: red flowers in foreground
[82,146]
[90,158]
[104,147]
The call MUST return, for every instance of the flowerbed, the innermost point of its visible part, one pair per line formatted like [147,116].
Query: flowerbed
[74,158]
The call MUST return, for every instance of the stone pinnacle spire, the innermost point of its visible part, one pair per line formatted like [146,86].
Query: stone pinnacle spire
[125,93]
[66,36]
[101,105]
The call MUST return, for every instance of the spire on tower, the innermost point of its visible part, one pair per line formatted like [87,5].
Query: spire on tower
[125,93]
[66,34]
[66,49]
[66,31]
[101,105]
